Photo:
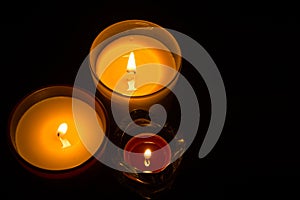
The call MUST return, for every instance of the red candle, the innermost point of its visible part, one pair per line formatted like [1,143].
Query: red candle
[148,152]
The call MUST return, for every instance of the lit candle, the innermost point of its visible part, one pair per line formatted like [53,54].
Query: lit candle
[147,163]
[52,130]
[144,57]
[135,65]
[147,152]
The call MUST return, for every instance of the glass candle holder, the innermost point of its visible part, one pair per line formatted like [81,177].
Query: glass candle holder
[147,161]
[55,131]
[134,62]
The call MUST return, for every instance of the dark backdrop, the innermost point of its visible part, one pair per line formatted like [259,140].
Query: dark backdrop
[255,47]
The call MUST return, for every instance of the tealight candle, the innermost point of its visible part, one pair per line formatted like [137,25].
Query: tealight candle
[147,152]
[53,130]
[135,59]
[148,164]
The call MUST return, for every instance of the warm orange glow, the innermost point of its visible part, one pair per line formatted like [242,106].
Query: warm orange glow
[131,65]
[49,137]
[135,65]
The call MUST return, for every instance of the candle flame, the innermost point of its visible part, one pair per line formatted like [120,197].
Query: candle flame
[131,66]
[131,69]
[61,131]
[147,154]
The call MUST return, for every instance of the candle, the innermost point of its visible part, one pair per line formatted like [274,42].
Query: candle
[149,65]
[147,152]
[53,130]
[135,59]
[147,163]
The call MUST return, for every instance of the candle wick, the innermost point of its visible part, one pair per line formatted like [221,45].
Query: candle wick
[65,143]
[131,80]
[147,162]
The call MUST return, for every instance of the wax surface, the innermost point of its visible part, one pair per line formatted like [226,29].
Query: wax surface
[37,140]
[151,57]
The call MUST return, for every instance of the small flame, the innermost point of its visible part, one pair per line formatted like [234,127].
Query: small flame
[147,154]
[131,66]
[62,129]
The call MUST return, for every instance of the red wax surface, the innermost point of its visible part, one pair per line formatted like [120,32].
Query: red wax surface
[160,152]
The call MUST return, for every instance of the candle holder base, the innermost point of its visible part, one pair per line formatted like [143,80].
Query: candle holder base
[150,185]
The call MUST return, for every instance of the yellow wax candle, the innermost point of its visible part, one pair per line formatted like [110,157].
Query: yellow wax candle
[49,135]
[134,63]
[151,59]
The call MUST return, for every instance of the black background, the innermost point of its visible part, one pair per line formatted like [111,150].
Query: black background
[255,47]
